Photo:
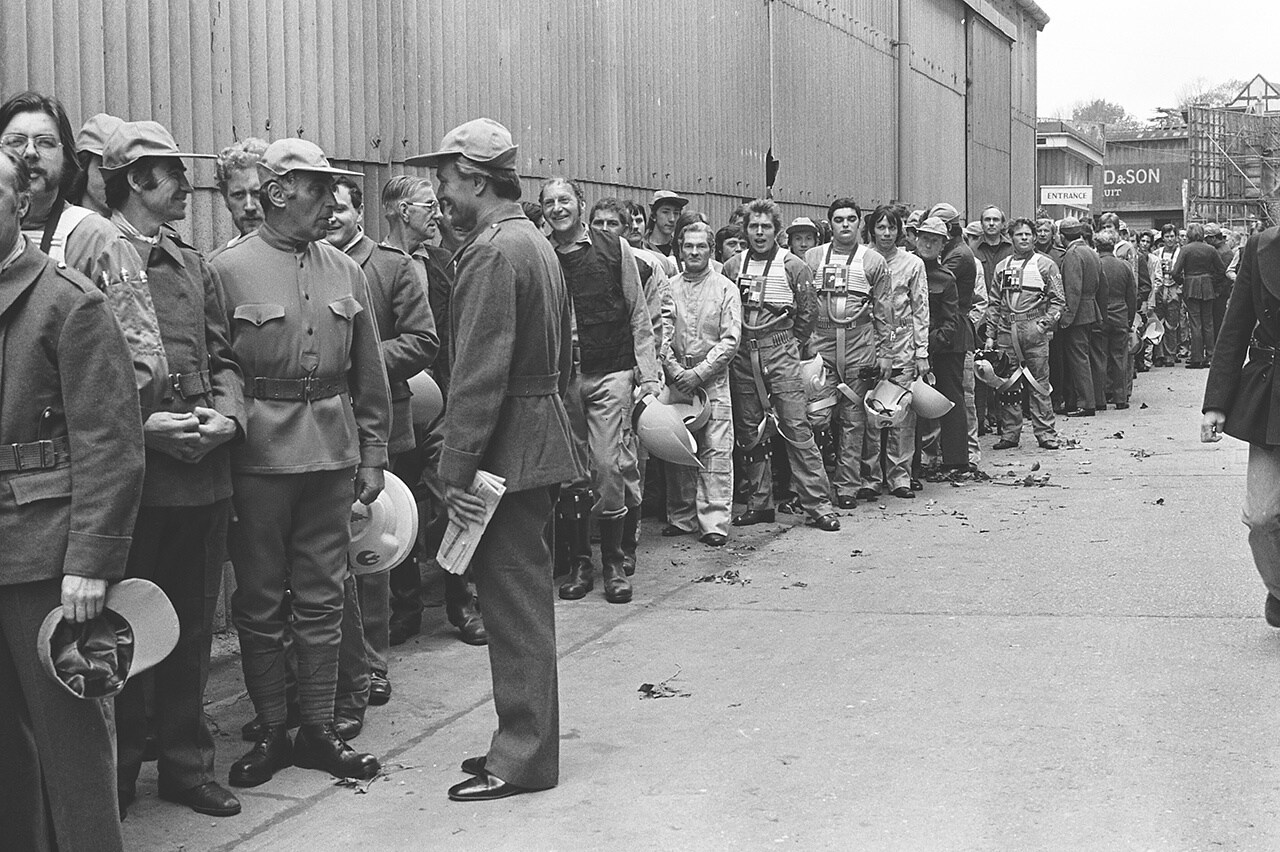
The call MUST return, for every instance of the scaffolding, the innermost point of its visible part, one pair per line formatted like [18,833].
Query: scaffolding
[1234,158]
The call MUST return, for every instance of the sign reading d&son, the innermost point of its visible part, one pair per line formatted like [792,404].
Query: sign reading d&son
[1153,184]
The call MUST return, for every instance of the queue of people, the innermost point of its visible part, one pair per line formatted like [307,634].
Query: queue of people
[165,408]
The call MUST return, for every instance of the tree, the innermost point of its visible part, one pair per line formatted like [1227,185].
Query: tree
[1101,111]
[1201,92]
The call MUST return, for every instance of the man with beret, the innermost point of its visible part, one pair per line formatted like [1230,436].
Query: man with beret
[69,487]
[36,128]
[318,414]
[1080,272]
[89,191]
[512,356]
[179,541]
[398,298]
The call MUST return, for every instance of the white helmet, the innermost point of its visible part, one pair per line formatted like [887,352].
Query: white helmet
[813,373]
[927,401]
[1155,330]
[662,431]
[427,402]
[694,409]
[887,404]
[383,533]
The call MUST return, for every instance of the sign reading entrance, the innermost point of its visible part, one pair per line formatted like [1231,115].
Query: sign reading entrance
[1075,196]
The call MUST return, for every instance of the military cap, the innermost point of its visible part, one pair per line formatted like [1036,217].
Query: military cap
[932,225]
[133,140]
[96,131]
[944,211]
[482,140]
[298,155]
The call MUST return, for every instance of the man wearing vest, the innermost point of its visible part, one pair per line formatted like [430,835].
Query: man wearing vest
[615,342]
[319,414]
[778,305]
[610,214]
[852,334]
[179,541]
[398,298]
[1026,304]
[36,128]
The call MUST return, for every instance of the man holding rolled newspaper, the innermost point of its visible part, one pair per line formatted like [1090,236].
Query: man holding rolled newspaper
[511,356]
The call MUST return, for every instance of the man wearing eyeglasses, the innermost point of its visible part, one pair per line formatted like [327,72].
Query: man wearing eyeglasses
[36,128]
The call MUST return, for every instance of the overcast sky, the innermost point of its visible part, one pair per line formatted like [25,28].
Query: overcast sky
[1141,54]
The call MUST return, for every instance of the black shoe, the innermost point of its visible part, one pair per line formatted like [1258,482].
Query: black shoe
[465,615]
[268,756]
[868,494]
[1050,444]
[829,522]
[755,516]
[402,630]
[256,728]
[613,576]
[579,581]
[1004,444]
[671,531]
[904,493]
[484,788]
[714,539]
[1081,412]
[844,501]
[1121,406]
[210,799]
[320,747]
[916,485]
[379,689]
[347,727]
[1273,610]
[474,765]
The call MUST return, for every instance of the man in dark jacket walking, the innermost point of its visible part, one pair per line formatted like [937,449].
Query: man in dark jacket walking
[1117,317]
[1080,273]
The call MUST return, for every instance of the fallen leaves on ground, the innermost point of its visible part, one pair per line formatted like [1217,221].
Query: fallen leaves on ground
[1031,480]
[1115,435]
[361,786]
[662,689]
[729,576]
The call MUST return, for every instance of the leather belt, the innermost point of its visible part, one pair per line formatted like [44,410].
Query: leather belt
[35,455]
[188,385]
[547,385]
[295,390]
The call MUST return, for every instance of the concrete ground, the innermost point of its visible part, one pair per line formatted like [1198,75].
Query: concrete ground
[1074,661]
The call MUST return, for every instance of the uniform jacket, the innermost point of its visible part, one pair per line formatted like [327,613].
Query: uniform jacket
[1121,289]
[799,277]
[193,327]
[1248,392]
[962,263]
[438,268]
[909,334]
[708,327]
[297,311]
[945,319]
[1080,269]
[65,372]
[512,353]
[1199,270]
[867,320]
[406,326]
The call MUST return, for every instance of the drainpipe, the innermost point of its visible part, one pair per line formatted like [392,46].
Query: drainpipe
[900,117]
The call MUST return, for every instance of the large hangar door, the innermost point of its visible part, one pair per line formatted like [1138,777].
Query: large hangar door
[988,115]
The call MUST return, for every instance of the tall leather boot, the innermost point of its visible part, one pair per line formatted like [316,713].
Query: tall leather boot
[630,539]
[562,531]
[406,600]
[617,588]
[581,571]
[463,610]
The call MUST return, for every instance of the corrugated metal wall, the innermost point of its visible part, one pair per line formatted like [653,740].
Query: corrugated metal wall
[623,96]
[988,115]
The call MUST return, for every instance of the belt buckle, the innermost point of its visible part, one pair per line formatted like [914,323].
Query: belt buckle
[48,454]
[175,382]
[308,388]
